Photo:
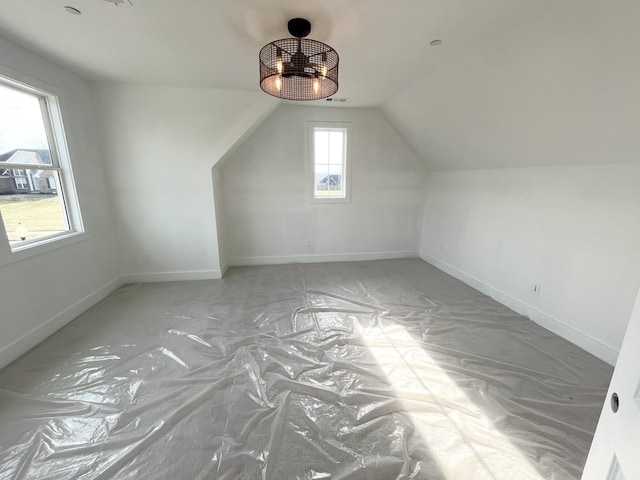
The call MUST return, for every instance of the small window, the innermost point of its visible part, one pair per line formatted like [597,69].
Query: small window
[20,179]
[37,200]
[329,152]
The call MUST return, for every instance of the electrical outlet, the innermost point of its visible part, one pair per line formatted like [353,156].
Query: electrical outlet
[535,288]
[308,244]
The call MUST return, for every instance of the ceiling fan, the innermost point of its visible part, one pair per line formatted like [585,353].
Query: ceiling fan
[299,68]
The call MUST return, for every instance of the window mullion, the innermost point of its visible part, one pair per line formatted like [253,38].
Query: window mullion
[28,166]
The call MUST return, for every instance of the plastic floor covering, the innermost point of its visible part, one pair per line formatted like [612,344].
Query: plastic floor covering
[369,370]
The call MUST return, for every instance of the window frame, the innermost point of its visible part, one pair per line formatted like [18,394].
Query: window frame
[348,139]
[49,98]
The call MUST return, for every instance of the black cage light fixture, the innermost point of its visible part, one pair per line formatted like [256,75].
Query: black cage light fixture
[299,68]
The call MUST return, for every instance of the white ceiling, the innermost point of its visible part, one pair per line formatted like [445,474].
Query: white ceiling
[515,83]
[559,84]
[383,45]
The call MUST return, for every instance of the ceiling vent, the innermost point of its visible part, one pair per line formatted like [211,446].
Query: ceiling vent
[117,3]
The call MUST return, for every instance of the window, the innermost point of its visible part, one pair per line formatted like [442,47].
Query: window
[329,152]
[37,197]
[20,179]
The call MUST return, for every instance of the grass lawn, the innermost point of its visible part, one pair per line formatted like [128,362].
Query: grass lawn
[41,214]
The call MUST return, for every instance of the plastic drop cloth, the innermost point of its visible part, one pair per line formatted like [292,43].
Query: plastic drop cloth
[372,370]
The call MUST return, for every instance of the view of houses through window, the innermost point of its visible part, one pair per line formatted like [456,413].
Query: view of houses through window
[31,200]
[330,161]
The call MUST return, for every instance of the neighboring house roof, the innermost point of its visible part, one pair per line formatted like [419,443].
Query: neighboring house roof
[43,155]
[331,180]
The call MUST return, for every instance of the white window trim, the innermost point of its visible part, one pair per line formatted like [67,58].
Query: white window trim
[60,151]
[24,251]
[311,161]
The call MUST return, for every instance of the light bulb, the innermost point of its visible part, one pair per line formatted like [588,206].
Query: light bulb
[324,65]
[279,61]
[278,83]
[316,85]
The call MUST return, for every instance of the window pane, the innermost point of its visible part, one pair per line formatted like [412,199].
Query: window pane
[31,202]
[335,170]
[335,178]
[35,213]
[322,179]
[336,150]
[21,122]
[321,145]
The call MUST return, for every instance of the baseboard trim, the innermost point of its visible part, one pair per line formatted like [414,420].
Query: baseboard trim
[32,338]
[320,258]
[582,340]
[172,276]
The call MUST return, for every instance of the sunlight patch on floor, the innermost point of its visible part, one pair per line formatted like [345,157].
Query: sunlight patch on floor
[460,436]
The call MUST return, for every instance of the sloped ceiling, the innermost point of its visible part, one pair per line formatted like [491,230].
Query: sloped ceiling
[383,46]
[514,83]
[558,85]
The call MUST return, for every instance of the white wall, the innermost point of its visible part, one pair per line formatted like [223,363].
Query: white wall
[555,84]
[41,293]
[573,230]
[160,146]
[220,219]
[268,213]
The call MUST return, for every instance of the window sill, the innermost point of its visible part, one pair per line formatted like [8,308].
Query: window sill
[22,252]
[330,200]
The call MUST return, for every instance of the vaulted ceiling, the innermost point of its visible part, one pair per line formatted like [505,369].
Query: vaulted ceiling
[384,46]
[514,82]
